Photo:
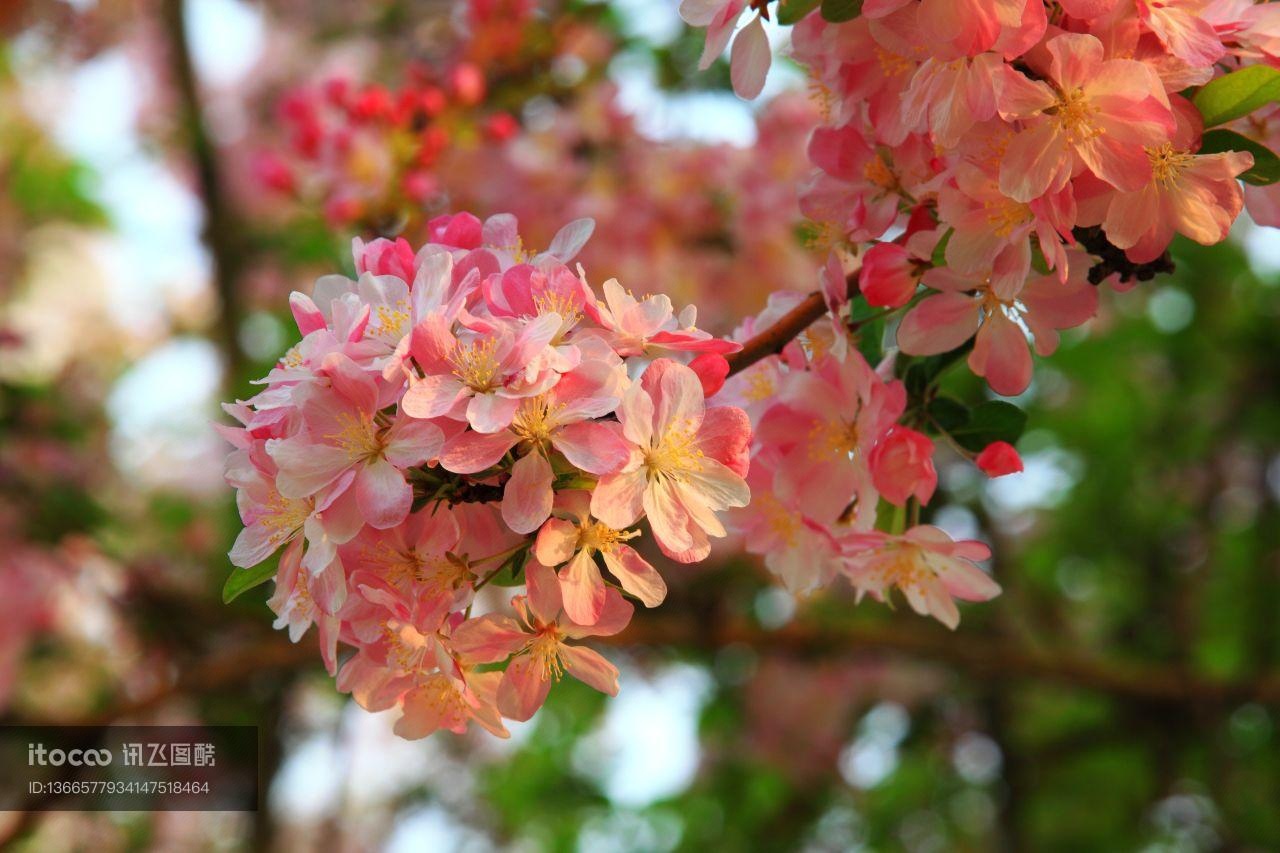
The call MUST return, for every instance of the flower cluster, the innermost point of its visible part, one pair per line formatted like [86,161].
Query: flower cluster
[832,458]
[472,413]
[979,169]
[368,153]
[996,139]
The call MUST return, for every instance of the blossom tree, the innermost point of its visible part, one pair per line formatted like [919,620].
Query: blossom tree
[982,175]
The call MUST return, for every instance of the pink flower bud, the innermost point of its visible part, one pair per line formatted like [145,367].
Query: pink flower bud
[999,458]
[712,370]
[386,257]
[888,276]
[902,466]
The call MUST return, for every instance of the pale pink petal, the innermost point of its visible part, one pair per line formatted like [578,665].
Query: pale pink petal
[1001,356]
[666,516]
[412,442]
[544,592]
[470,452]
[938,324]
[490,412]
[431,396]
[528,497]
[618,498]
[306,466]
[583,589]
[749,60]
[590,668]
[488,639]
[1036,160]
[556,542]
[635,413]
[592,447]
[636,575]
[382,494]
[523,689]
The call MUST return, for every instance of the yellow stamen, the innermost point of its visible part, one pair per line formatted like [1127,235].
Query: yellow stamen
[285,516]
[545,651]
[357,436]
[535,419]
[476,364]
[600,537]
[1167,164]
[1074,116]
[676,454]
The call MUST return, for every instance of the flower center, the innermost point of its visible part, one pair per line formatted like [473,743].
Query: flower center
[877,172]
[905,566]
[285,516]
[759,386]
[601,537]
[782,522]
[392,322]
[550,302]
[535,419]
[433,573]
[358,436]
[1167,164]
[835,436]
[545,651]
[405,645]
[476,364]
[441,694]
[1074,115]
[1006,215]
[675,455]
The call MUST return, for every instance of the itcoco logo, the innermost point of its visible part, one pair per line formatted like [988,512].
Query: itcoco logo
[37,754]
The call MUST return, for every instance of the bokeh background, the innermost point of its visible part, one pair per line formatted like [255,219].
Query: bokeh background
[170,170]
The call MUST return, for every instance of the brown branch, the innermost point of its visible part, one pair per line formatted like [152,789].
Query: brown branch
[221,231]
[777,336]
[976,655]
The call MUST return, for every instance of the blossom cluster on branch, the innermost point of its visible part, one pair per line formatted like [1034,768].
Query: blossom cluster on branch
[980,170]
[463,411]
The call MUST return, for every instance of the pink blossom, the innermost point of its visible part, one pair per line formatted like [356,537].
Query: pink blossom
[345,438]
[686,464]
[478,375]
[560,420]
[574,538]
[902,466]
[537,644]
[1093,113]
[648,326]
[924,563]
[1001,316]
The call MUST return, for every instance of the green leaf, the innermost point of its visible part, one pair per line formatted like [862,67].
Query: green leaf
[949,414]
[939,257]
[994,420]
[890,518]
[1266,165]
[839,11]
[793,11]
[243,580]
[1236,94]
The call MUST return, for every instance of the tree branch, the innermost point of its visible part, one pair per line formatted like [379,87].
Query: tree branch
[982,656]
[777,336]
[221,233]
